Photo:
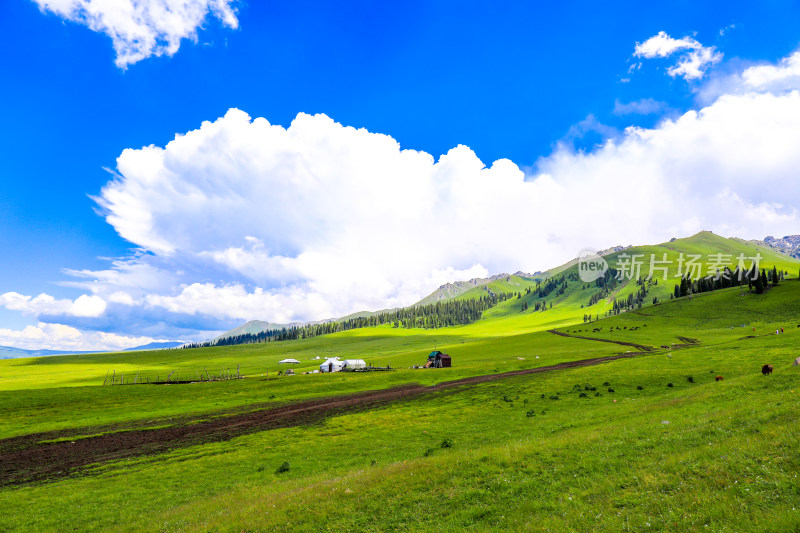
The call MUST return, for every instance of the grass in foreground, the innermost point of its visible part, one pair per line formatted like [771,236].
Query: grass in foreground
[717,454]
[609,448]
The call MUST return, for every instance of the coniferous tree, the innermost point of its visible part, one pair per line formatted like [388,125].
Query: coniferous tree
[685,287]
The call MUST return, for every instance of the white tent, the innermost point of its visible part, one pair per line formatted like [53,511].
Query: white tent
[289,361]
[352,364]
[331,365]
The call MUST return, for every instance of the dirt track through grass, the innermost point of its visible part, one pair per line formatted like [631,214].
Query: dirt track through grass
[25,459]
[640,347]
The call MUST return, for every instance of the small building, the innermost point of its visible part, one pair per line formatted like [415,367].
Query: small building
[438,359]
[353,364]
[331,365]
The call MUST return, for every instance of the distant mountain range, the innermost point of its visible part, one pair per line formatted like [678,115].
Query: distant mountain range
[789,245]
[9,352]
[156,346]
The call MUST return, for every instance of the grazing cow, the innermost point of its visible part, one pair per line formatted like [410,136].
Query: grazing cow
[718,378]
[766,369]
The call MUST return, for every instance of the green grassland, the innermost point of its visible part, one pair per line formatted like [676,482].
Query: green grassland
[633,444]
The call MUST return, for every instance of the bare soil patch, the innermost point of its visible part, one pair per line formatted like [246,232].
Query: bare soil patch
[26,459]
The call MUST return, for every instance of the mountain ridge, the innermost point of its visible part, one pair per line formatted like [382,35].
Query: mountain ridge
[519,281]
[789,244]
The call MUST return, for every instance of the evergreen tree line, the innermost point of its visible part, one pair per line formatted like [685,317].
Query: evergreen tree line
[542,289]
[538,306]
[436,315]
[635,300]
[559,285]
[728,278]
[607,283]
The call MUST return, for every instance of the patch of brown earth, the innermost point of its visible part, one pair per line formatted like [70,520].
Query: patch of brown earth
[25,459]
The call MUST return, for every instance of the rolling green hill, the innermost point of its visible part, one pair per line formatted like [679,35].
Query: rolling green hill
[644,275]
[577,295]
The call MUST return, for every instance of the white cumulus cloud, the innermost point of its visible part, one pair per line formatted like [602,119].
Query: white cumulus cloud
[319,219]
[693,60]
[778,78]
[45,336]
[781,77]
[143,28]
[242,219]
[83,306]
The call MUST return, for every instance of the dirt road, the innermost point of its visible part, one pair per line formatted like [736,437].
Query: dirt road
[640,347]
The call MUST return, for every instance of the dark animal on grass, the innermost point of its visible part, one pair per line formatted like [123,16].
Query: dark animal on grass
[718,378]
[766,369]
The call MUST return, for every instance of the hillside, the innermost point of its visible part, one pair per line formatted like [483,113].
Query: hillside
[560,294]
[572,296]
[252,327]
[455,289]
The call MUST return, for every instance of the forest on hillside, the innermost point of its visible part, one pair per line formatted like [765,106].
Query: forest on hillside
[437,315]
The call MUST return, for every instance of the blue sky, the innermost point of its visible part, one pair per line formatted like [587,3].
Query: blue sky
[544,86]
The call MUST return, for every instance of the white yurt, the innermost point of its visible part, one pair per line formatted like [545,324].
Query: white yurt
[331,365]
[352,364]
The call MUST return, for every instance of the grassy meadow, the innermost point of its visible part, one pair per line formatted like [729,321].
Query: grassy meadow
[647,443]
